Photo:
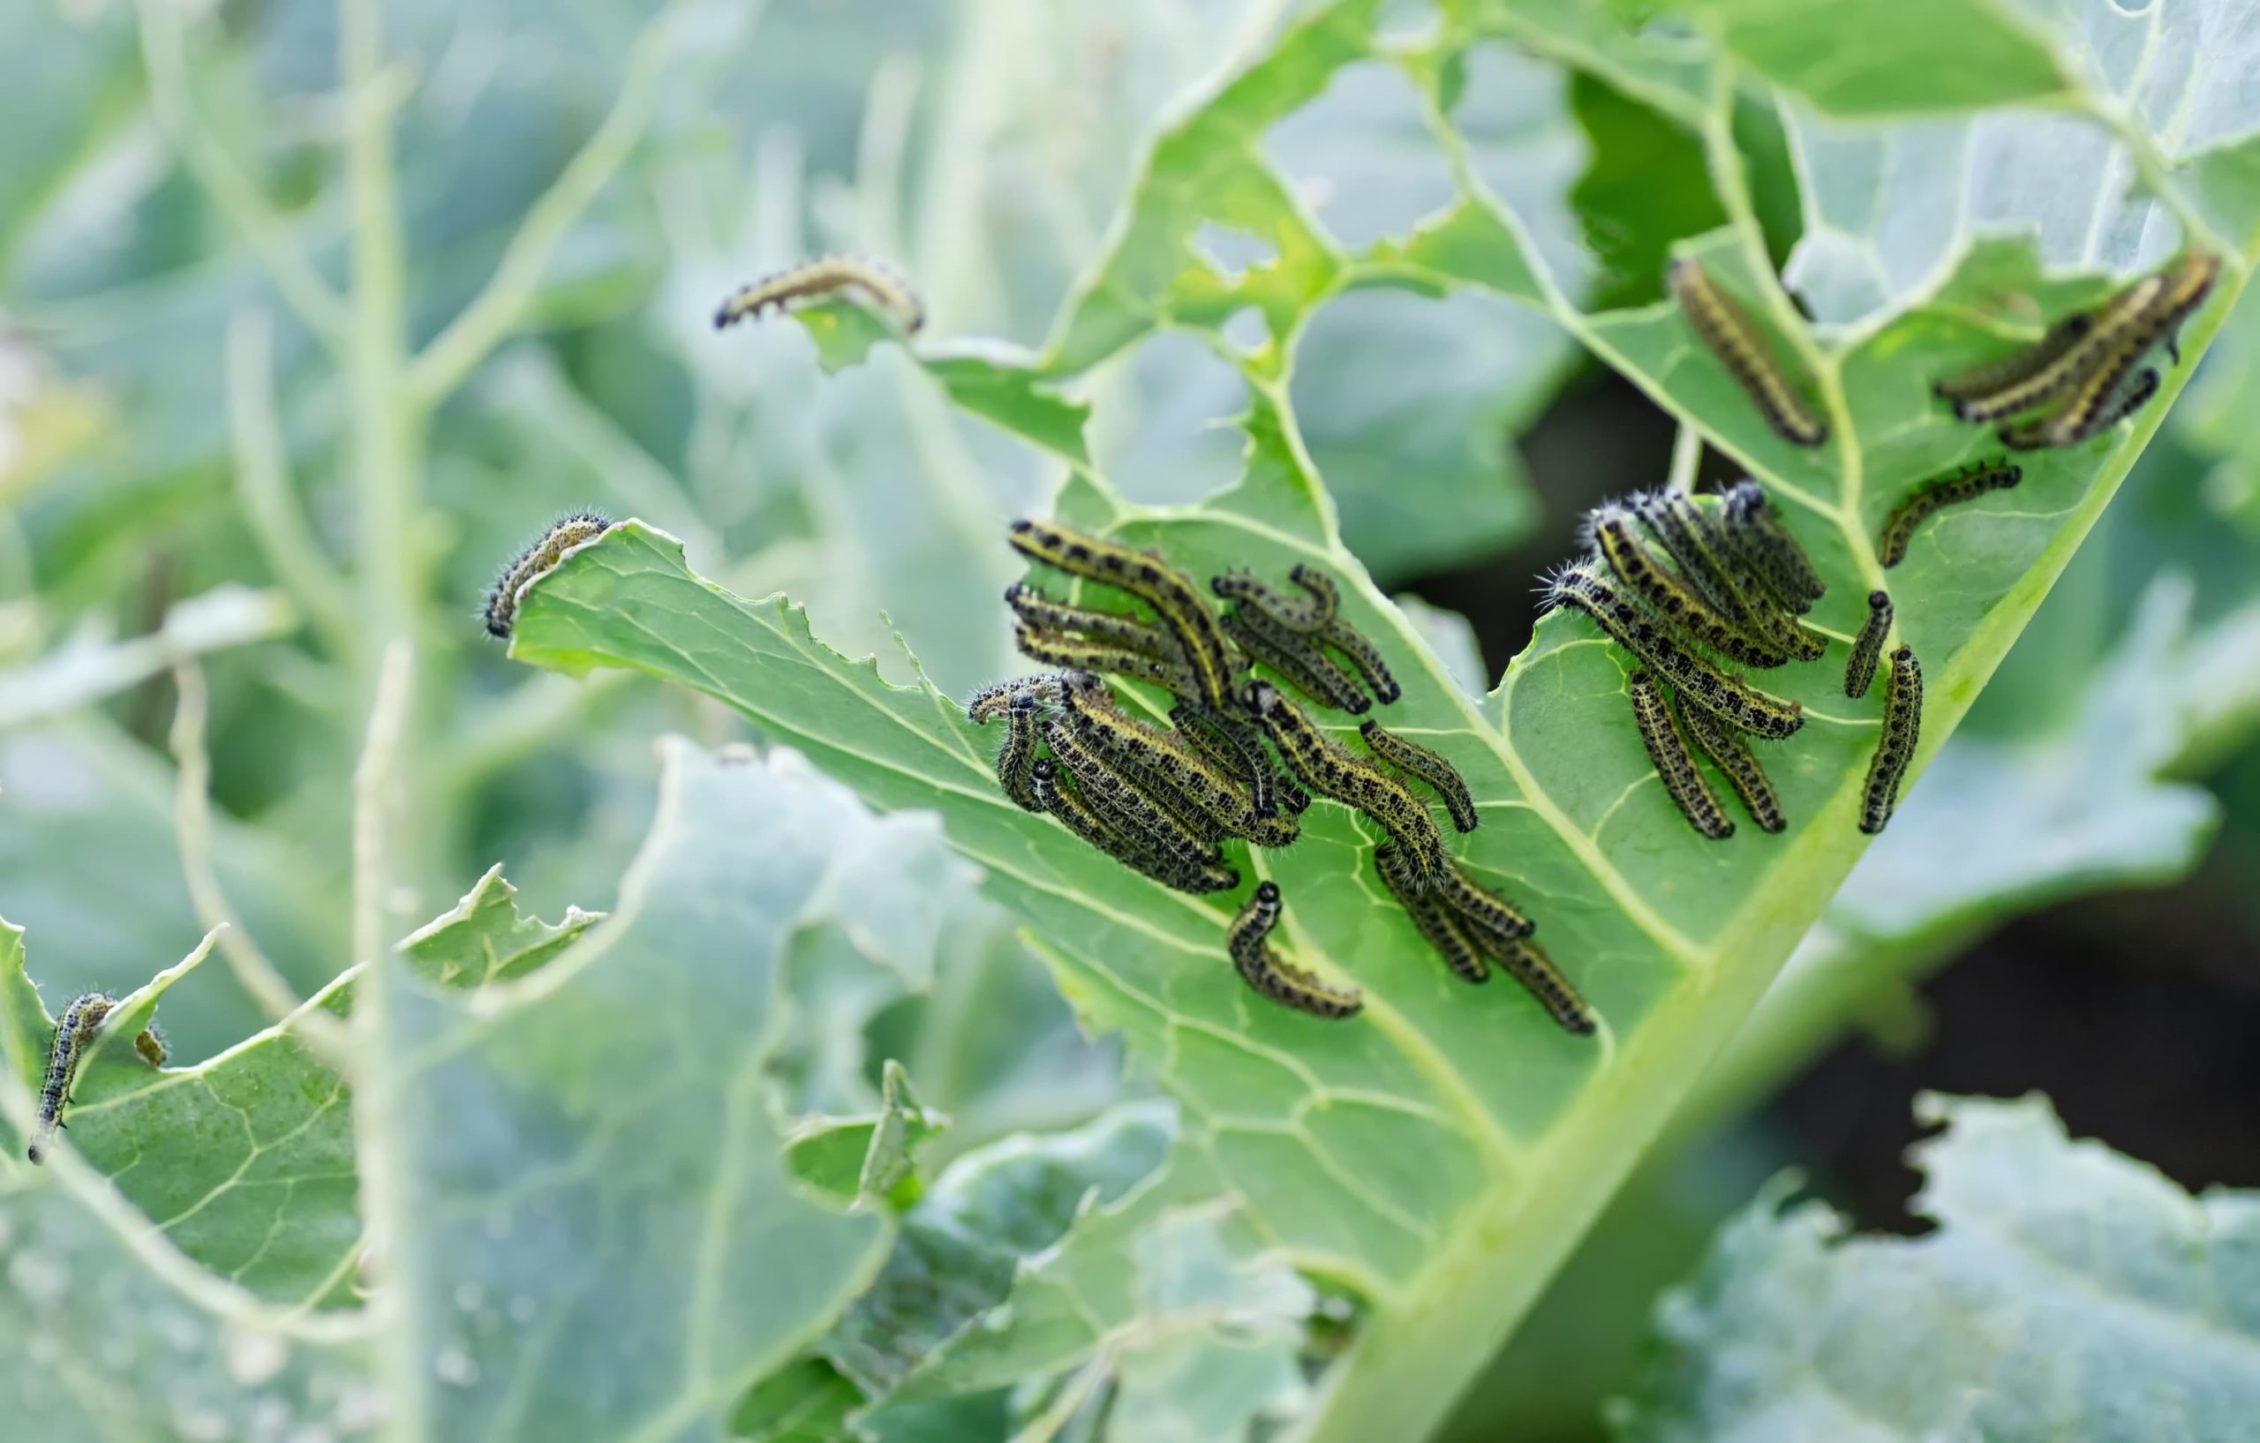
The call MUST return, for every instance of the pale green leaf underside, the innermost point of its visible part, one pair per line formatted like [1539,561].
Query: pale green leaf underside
[2068,1292]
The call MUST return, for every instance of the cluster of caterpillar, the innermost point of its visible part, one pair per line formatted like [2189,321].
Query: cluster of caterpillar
[1239,758]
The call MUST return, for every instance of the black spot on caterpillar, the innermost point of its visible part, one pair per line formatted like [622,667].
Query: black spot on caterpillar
[1331,771]
[1305,616]
[543,555]
[1670,597]
[1296,659]
[1436,921]
[1928,498]
[1527,963]
[1105,659]
[1041,613]
[1733,757]
[1124,803]
[1016,759]
[1895,748]
[1168,591]
[1078,817]
[819,280]
[1169,769]
[1867,648]
[1580,587]
[1770,553]
[1247,939]
[1235,746]
[2020,381]
[80,1021]
[1426,765]
[992,701]
[1727,331]
[1667,749]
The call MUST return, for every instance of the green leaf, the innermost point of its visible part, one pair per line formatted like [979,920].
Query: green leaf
[1869,57]
[484,939]
[850,1159]
[588,1159]
[1383,1154]
[2066,1292]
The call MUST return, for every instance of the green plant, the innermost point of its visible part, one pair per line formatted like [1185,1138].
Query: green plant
[685,1171]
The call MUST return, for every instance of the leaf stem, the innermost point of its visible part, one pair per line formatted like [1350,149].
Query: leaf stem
[262,485]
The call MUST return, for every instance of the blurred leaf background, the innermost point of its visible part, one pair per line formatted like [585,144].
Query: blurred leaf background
[177,484]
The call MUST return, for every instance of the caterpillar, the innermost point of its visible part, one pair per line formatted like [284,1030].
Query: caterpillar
[1364,656]
[1105,658]
[1304,616]
[1126,803]
[1707,559]
[1667,749]
[1733,757]
[994,700]
[542,556]
[1247,939]
[1727,331]
[1435,921]
[1236,747]
[1995,378]
[150,1043]
[1039,612]
[1579,587]
[1668,596]
[1168,768]
[1867,648]
[1297,659]
[1769,551]
[1528,964]
[80,1021]
[1426,765]
[1929,497]
[1895,748]
[1016,759]
[1200,638]
[2111,390]
[819,280]
[1489,916]
[1330,771]
[1079,817]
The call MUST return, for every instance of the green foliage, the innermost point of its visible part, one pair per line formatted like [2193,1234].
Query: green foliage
[819,1134]
[2065,1292]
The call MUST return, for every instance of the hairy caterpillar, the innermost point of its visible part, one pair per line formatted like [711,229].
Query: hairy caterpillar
[1431,916]
[1106,659]
[1305,616]
[1727,331]
[1528,964]
[1330,771]
[1489,916]
[543,555]
[1580,587]
[819,280]
[1867,648]
[1041,613]
[1364,656]
[2032,377]
[1170,769]
[1667,749]
[1297,659]
[1200,638]
[994,700]
[1769,551]
[1671,598]
[1248,940]
[76,1029]
[1084,821]
[2080,421]
[1939,492]
[1733,757]
[1016,759]
[1236,747]
[1126,804]
[1895,748]
[1707,559]
[1426,765]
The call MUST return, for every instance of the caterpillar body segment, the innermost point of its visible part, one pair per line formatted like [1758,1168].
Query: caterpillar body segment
[1183,611]
[1867,647]
[1738,764]
[820,280]
[1895,746]
[1728,332]
[1583,589]
[1416,760]
[1934,495]
[1436,921]
[1247,939]
[1675,765]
